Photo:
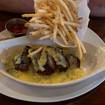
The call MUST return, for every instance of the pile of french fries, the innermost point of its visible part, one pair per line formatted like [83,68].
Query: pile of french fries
[56,20]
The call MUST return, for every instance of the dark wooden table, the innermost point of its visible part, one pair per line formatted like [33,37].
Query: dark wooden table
[95,97]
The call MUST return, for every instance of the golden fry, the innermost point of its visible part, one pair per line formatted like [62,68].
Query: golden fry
[56,20]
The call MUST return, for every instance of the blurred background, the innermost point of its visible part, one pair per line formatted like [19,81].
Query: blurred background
[21,6]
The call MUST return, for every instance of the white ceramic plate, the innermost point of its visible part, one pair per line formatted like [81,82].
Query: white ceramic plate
[21,92]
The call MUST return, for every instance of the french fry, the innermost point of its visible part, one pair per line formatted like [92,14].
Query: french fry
[56,20]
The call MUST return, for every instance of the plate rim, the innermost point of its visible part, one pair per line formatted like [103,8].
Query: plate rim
[55,99]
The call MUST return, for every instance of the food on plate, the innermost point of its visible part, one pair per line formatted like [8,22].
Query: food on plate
[22,61]
[56,20]
[45,60]
[44,64]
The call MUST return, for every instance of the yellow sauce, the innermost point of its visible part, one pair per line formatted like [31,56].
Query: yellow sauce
[54,78]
